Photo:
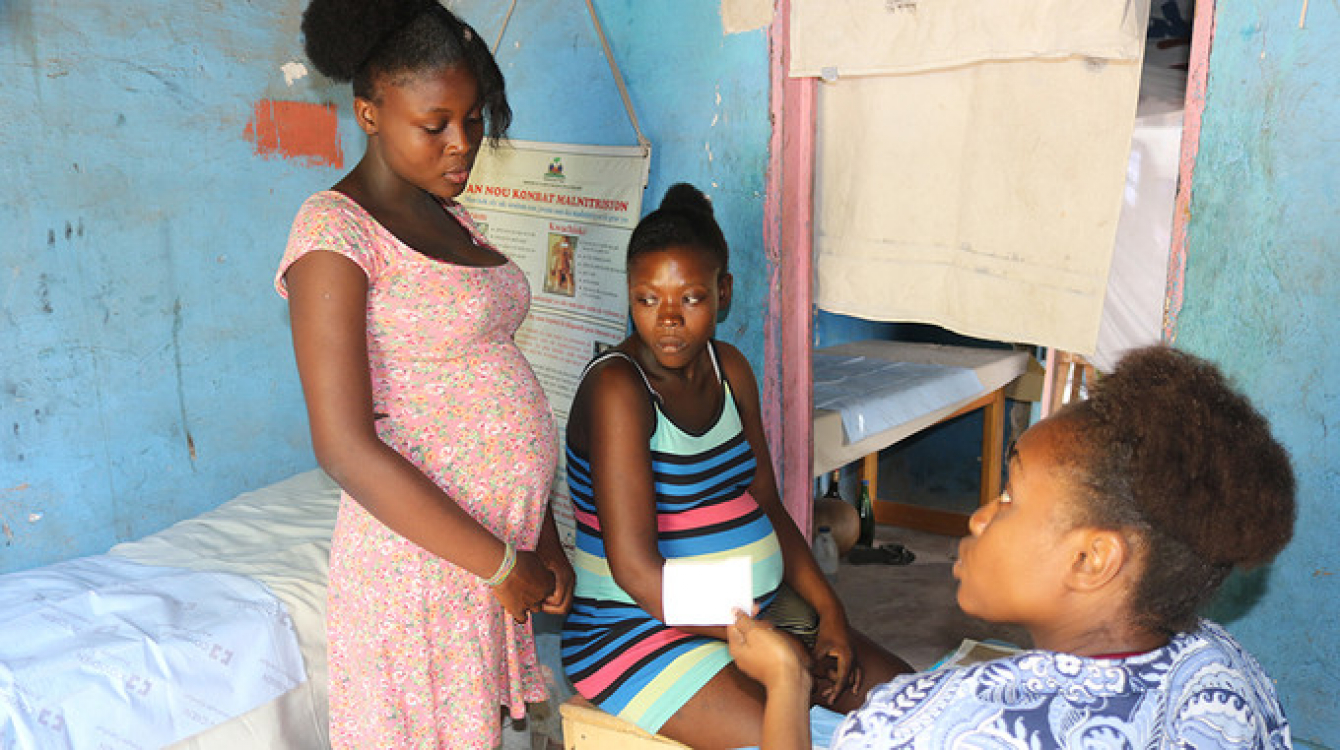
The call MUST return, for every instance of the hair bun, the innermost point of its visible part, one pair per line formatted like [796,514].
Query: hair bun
[338,35]
[685,197]
[1209,472]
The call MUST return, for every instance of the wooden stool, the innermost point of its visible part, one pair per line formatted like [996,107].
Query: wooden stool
[586,727]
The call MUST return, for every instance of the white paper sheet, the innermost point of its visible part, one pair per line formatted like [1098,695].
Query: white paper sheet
[706,592]
[1137,282]
[873,395]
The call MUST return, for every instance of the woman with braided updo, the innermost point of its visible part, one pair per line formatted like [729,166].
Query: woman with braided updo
[1122,516]
[421,405]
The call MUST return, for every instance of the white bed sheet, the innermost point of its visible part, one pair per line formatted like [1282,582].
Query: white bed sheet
[103,652]
[280,536]
[1137,280]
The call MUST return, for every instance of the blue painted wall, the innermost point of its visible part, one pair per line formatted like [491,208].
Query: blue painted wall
[1262,285]
[146,373]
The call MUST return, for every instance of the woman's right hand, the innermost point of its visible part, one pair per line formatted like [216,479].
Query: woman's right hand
[767,655]
[524,589]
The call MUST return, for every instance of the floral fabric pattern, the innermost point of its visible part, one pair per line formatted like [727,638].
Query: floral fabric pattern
[1201,690]
[421,655]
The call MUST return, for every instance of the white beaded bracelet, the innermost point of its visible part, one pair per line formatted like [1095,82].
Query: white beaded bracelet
[504,567]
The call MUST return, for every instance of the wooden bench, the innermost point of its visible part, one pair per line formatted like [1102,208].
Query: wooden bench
[586,727]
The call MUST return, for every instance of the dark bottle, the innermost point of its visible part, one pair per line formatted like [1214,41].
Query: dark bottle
[866,509]
[833,488]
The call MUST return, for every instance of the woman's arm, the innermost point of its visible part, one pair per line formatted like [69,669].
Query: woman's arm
[327,307]
[614,419]
[802,571]
[776,662]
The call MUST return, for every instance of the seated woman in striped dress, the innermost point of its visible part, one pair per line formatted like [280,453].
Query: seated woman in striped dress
[667,460]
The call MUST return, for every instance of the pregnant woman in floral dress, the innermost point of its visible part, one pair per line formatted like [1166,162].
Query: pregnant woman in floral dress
[421,405]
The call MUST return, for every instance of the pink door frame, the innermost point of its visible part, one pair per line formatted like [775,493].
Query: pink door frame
[788,241]
[1198,76]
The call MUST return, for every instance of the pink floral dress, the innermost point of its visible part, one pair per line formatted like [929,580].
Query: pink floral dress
[421,655]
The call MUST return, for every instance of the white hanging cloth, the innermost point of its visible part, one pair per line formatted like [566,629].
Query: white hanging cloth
[981,197]
[880,37]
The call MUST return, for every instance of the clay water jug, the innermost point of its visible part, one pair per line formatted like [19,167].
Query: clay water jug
[840,516]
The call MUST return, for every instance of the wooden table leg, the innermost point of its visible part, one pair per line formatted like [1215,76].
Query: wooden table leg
[993,446]
[870,473]
[942,521]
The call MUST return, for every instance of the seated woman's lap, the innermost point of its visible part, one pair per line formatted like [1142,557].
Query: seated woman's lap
[726,713]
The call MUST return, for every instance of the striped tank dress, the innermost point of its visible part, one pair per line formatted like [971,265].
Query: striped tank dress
[615,654]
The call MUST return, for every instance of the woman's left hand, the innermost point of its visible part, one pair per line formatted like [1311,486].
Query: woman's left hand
[559,600]
[835,668]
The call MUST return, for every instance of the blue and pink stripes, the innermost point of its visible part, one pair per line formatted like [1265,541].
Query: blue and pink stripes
[615,654]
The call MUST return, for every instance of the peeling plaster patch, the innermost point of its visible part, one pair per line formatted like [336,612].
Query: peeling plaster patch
[745,15]
[10,509]
[296,130]
[707,146]
[293,71]
[34,517]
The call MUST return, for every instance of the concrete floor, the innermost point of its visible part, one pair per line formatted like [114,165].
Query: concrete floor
[911,609]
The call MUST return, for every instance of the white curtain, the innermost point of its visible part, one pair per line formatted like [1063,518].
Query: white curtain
[971,176]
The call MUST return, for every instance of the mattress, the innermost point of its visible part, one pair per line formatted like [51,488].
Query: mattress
[209,634]
[280,536]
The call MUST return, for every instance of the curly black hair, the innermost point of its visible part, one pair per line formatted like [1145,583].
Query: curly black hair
[375,42]
[1168,452]
[685,217]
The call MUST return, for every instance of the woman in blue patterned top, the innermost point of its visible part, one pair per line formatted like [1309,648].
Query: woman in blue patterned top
[1123,514]
[667,460]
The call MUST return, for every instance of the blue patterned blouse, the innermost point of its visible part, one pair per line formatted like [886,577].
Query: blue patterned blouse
[1201,690]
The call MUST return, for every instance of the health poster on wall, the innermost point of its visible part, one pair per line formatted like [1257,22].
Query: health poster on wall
[563,213]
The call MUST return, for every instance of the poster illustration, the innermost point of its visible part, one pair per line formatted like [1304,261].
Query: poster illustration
[563,213]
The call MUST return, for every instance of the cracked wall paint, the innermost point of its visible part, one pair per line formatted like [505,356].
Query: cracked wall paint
[147,374]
